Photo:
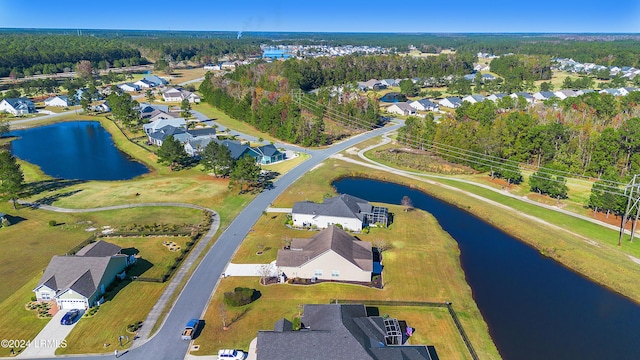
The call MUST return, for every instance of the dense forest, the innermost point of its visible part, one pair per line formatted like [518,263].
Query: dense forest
[29,54]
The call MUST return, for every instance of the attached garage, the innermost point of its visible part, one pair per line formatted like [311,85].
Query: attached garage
[68,304]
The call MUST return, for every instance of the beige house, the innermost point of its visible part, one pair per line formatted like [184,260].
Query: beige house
[332,254]
[79,281]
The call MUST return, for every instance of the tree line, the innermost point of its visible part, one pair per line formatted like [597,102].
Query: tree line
[594,135]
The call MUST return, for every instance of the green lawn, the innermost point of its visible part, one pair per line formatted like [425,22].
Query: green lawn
[228,122]
[434,256]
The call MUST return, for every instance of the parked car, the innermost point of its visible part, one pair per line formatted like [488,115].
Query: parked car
[70,317]
[230,354]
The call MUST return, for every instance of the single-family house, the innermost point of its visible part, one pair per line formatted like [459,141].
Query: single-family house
[624,91]
[488,77]
[390,82]
[17,106]
[129,87]
[481,67]
[331,254]
[102,107]
[496,97]
[424,105]
[212,67]
[79,281]
[350,212]
[158,115]
[228,65]
[178,133]
[401,108]
[475,98]
[195,146]
[451,102]
[543,95]
[614,92]
[372,84]
[340,331]
[269,154]
[470,77]
[159,124]
[156,80]
[522,94]
[144,84]
[58,101]
[177,95]
[584,91]
[563,94]
[238,150]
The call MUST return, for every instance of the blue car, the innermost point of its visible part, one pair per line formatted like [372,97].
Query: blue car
[70,317]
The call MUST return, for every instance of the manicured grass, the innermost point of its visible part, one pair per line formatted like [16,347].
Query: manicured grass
[183,75]
[283,167]
[228,122]
[16,322]
[436,276]
[131,303]
[152,252]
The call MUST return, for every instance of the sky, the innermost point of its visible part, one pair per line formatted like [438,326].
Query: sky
[422,16]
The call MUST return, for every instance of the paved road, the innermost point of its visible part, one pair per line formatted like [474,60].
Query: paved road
[194,298]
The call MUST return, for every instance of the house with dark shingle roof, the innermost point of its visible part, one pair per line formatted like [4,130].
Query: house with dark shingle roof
[340,331]
[17,106]
[350,212]
[269,154]
[79,281]
[331,254]
[239,150]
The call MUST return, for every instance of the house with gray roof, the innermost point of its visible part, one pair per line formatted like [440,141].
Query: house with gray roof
[17,106]
[269,154]
[79,281]
[475,98]
[158,81]
[331,254]
[350,212]
[340,331]
[144,84]
[451,102]
[401,108]
[58,101]
[195,146]
[239,150]
[424,105]
[522,94]
[159,124]
[544,95]
[496,97]
[178,133]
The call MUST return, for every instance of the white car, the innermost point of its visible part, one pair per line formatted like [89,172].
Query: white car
[230,354]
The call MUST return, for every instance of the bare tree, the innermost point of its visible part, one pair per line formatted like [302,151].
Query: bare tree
[381,244]
[85,69]
[286,241]
[407,203]
[265,273]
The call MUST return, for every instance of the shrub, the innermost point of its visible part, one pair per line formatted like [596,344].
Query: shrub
[53,223]
[33,298]
[296,323]
[239,296]
[5,222]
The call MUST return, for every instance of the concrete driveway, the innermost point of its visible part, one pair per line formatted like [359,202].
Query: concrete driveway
[249,269]
[49,339]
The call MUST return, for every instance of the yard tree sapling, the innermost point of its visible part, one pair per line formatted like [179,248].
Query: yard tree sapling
[185,106]
[149,95]
[407,203]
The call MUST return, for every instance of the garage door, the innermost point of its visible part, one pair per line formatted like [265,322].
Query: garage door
[71,304]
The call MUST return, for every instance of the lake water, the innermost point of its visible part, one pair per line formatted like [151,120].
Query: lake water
[77,150]
[535,308]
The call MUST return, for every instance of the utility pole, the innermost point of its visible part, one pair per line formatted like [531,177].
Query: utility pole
[632,192]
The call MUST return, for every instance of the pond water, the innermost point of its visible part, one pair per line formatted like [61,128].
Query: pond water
[535,308]
[77,150]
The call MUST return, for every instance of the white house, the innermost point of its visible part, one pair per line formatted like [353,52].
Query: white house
[17,106]
[424,105]
[129,87]
[79,281]
[476,98]
[524,95]
[543,95]
[563,94]
[144,84]
[58,101]
[331,254]
[451,102]
[401,108]
[159,124]
[496,97]
[212,67]
[177,95]
[350,212]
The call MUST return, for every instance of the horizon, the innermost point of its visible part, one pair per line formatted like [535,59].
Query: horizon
[330,16]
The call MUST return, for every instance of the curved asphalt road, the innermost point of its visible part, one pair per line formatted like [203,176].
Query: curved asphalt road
[194,298]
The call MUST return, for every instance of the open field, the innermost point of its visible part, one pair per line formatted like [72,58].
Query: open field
[434,256]
[183,75]
[284,166]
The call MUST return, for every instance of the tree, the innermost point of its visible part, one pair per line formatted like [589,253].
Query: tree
[4,126]
[549,181]
[223,316]
[265,273]
[245,173]
[85,101]
[11,177]
[217,158]
[123,109]
[185,106]
[407,203]
[408,88]
[84,69]
[381,244]
[546,86]
[172,153]
[149,95]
